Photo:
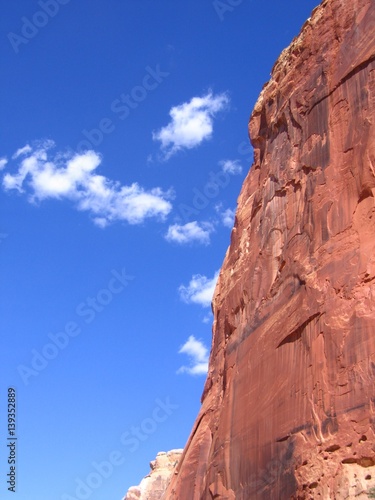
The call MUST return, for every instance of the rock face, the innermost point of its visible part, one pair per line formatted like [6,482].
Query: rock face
[154,485]
[288,408]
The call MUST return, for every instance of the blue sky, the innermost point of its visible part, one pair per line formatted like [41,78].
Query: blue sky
[123,150]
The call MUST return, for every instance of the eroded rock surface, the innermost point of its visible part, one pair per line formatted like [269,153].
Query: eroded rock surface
[155,483]
[288,405]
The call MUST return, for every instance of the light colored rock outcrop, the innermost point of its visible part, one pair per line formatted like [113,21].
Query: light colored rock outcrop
[288,408]
[155,483]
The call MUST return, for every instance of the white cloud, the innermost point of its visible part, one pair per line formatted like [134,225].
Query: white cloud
[21,151]
[191,123]
[227,217]
[200,290]
[232,167]
[3,162]
[207,318]
[73,177]
[191,232]
[198,356]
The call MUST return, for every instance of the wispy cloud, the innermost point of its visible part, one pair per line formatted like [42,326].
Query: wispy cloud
[24,150]
[73,177]
[226,216]
[191,123]
[191,232]
[232,167]
[3,162]
[207,318]
[200,290]
[198,357]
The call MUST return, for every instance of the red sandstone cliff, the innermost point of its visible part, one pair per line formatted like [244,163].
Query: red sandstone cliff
[155,483]
[288,405]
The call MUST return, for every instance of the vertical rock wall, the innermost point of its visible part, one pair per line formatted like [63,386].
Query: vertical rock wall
[289,403]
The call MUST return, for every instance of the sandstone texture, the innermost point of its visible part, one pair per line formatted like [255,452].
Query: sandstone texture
[154,485]
[288,408]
